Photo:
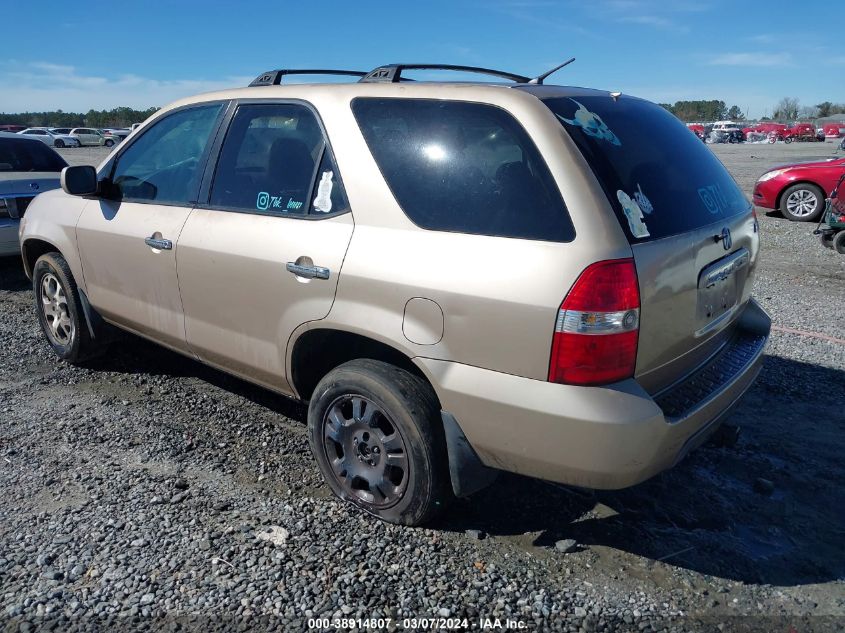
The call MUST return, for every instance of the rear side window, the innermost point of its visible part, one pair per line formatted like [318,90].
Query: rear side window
[28,155]
[660,179]
[463,167]
[272,155]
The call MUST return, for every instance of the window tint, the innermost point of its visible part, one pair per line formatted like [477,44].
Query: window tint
[463,167]
[163,164]
[28,155]
[269,160]
[660,179]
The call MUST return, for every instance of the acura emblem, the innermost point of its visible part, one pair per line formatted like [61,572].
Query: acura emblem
[727,242]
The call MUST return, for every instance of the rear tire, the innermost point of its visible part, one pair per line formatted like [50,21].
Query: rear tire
[839,242]
[109,142]
[826,240]
[376,433]
[803,202]
[59,309]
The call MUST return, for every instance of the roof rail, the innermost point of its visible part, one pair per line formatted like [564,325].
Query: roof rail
[392,73]
[274,77]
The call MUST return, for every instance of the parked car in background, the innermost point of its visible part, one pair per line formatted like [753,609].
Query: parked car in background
[11,128]
[49,138]
[800,132]
[116,132]
[27,168]
[624,331]
[726,126]
[834,130]
[91,136]
[798,191]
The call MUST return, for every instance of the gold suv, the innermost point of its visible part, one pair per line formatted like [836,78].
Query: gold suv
[459,278]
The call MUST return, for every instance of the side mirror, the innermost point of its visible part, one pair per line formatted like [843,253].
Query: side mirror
[79,180]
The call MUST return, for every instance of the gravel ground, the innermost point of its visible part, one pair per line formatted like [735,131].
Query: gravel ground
[145,491]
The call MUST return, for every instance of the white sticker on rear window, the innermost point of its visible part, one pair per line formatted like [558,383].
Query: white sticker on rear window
[634,214]
[591,123]
[323,200]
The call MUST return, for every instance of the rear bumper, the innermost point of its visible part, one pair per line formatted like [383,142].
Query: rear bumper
[606,437]
[9,237]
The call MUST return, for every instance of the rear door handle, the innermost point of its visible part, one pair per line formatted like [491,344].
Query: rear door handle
[308,272]
[162,245]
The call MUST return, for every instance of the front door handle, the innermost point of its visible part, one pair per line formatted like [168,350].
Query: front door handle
[308,272]
[158,243]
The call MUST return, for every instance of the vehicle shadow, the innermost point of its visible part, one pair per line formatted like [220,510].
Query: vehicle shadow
[12,277]
[710,514]
[133,355]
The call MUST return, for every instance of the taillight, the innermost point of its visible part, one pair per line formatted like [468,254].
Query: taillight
[597,327]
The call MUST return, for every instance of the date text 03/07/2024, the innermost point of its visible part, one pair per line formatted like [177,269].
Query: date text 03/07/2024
[419,624]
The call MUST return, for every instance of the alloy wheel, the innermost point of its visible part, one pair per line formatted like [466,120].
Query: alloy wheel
[366,451]
[802,203]
[54,306]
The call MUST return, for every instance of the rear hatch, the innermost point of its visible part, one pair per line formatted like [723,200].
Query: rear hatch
[692,231]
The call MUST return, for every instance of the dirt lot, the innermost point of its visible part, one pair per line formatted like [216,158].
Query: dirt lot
[139,490]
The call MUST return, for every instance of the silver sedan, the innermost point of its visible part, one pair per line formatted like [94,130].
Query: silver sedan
[48,137]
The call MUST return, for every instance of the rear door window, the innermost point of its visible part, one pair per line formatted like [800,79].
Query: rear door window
[463,167]
[660,179]
[275,160]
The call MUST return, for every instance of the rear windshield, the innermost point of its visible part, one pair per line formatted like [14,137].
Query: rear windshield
[463,167]
[28,155]
[660,179]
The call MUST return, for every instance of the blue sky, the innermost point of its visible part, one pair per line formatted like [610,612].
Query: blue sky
[102,55]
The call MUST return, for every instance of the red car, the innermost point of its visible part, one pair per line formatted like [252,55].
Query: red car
[800,132]
[834,130]
[798,191]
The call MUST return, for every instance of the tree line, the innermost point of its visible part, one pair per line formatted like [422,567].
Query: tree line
[786,110]
[116,117]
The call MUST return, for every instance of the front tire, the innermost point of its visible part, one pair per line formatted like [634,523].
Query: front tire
[60,310]
[59,143]
[803,202]
[376,434]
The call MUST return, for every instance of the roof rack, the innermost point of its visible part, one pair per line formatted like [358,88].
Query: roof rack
[392,73]
[274,77]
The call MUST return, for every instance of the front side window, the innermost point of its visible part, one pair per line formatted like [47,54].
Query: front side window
[463,167]
[164,164]
[271,158]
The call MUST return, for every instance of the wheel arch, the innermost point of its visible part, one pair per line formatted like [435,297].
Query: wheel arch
[32,249]
[315,352]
